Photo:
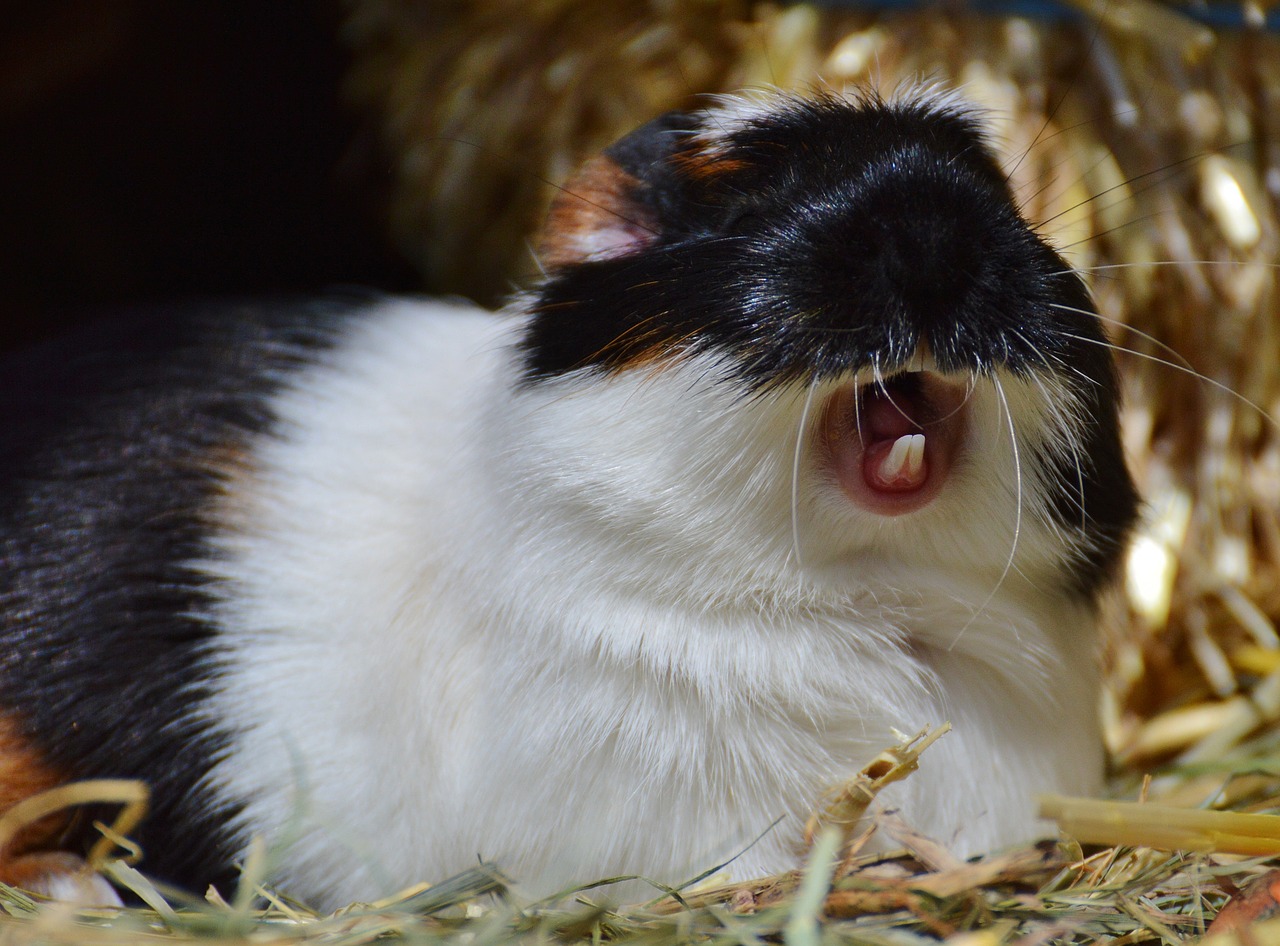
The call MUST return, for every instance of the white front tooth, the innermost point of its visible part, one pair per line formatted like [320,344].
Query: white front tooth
[897,459]
[915,453]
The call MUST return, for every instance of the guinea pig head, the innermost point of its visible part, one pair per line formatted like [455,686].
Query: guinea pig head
[813,340]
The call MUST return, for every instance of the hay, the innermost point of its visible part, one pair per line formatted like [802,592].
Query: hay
[1176,871]
[133,797]
[915,894]
[1094,821]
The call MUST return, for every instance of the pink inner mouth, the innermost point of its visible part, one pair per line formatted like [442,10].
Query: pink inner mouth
[891,445]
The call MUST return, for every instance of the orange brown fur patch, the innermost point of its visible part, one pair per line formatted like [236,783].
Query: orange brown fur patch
[24,773]
[238,500]
[43,872]
[653,353]
[704,165]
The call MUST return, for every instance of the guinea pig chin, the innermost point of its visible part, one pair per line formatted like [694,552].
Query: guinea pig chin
[890,443]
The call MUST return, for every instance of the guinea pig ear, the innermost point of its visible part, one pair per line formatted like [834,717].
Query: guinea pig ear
[608,209]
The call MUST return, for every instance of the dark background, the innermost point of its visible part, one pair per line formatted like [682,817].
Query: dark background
[156,150]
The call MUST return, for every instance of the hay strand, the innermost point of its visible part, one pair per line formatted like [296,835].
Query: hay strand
[134,796]
[1162,827]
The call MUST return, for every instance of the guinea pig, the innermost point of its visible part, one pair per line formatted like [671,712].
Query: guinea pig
[805,438]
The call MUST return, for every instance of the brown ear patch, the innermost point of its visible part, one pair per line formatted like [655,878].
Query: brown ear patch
[596,216]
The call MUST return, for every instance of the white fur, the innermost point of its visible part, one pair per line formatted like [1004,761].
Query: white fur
[734,112]
[563,627]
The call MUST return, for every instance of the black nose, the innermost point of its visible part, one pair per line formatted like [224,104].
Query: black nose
[920,261]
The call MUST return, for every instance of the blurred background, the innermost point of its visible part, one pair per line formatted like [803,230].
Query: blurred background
[153,149]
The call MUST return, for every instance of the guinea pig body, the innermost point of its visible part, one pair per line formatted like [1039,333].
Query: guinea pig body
[805,440]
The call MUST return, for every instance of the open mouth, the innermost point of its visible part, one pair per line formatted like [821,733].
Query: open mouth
[892,443]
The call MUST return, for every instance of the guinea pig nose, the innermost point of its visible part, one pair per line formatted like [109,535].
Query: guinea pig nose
[930,260]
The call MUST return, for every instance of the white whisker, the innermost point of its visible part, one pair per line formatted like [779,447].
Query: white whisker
[857,412]
[1043,356]
[795,474]
[1185,369]
[1084,513]
[1174,262]
[1073,442]
[1147,336]
[1017,519]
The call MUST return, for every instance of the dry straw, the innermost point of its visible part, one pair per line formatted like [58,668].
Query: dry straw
[916,893]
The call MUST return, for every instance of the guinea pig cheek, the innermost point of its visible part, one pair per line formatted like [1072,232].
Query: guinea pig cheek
[891,446]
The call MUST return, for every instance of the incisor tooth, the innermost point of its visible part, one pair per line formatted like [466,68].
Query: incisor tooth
[915,454]
[905,459]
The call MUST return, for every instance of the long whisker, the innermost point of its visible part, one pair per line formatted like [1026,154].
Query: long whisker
[1052,113]
[1172,262]
[971,385]
[857,412]
[1199,376]
[1147,336]
[795,475]
[1017,519]
[1074,443]
[1048,359]
[1147,179]
[1060,361]
[1084,512]
[1128,223]
[1050,174]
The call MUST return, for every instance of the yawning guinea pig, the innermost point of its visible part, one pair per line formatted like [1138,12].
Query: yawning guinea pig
[804,439]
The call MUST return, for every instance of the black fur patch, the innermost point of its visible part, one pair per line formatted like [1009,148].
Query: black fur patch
[1094,491]
[104,481]
[837,236]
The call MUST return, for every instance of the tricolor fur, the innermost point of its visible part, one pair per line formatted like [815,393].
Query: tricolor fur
[804,440]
